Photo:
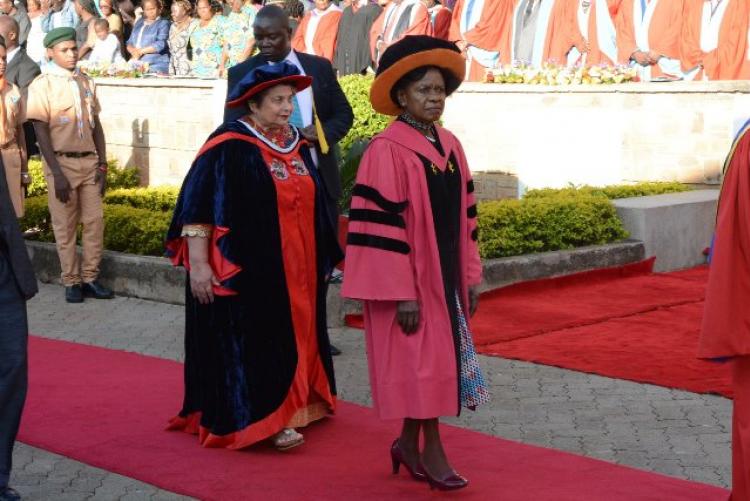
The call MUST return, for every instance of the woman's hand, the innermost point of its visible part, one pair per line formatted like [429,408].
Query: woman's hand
[473,299]
[407,316]
[310,133]
[202,280]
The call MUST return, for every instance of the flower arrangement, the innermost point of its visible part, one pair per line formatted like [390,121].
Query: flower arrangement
[121,69]
[551,74]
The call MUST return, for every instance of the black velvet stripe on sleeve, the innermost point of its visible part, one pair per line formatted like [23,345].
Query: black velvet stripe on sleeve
[470,186]
[376,216]
[472,211]
[373,195]
[383,243]
[475,234]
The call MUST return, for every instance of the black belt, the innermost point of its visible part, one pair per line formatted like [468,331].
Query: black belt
[75,154]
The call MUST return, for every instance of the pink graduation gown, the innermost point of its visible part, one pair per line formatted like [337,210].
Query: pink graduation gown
[393,256]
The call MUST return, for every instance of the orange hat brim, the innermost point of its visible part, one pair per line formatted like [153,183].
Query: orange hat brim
[380,92]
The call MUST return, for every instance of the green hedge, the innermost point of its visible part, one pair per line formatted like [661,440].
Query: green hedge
[117,177]
[160,198]
[127,229]
[367,123]
[546,220]
[514,227]
[612,192]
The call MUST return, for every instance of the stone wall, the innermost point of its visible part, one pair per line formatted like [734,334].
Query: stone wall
[542,136]
[551,136]
[158,124]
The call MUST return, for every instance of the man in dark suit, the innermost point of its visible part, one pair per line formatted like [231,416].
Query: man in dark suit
[326,101]
[273,39]
[17,285]
[21,70]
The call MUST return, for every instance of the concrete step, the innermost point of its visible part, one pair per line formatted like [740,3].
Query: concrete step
[675,227]
[156,279]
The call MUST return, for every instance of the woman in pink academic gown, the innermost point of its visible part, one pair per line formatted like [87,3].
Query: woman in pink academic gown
[412,257]
[725,333]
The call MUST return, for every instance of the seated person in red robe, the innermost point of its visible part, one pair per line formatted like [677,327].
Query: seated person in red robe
[251,228]
[412,256]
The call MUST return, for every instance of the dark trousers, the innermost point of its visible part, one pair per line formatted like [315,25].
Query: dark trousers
[13,364]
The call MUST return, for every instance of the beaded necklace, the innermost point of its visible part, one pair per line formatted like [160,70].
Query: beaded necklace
[281,137]
[420,126]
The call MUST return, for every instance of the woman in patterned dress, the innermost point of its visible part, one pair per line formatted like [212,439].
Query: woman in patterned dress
[413,214]
[250,227]
[207,40]
[179,35]
[238,35]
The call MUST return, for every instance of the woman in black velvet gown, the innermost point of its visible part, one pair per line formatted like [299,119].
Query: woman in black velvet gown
[251,228]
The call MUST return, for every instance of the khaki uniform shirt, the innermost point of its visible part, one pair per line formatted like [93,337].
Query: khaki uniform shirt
[13,151]
[71,121]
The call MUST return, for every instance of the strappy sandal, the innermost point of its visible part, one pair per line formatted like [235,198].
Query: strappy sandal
[288,438]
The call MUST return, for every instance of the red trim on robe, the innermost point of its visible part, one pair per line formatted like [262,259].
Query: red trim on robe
[310,384]
[223,268]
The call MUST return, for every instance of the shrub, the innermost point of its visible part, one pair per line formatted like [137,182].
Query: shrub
[612,192]
[137,231]
[38,184]
[122,177]
[117,177]
[127,229]
[514,227]
[36,217]
[367,122]
[160,198]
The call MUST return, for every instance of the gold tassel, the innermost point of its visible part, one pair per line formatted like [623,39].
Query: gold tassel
[324,149]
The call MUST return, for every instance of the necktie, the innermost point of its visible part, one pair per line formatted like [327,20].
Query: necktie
[296,118]
[644,6]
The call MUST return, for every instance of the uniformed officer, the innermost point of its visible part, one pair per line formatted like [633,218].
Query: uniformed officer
[12,139]
[63,107]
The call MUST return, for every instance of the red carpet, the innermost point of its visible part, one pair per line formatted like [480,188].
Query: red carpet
[656,347]
[109,408]
[625,323]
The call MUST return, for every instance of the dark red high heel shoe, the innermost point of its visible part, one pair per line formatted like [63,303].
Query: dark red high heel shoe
[397,459]
[452,483]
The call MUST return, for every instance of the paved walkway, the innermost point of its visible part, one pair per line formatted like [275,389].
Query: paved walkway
[672,432]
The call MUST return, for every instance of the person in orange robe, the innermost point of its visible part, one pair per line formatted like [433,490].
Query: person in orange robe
[595,31]
[614,7]
[745,70]
[541,31]
[399,19]
[652,37]
[316,34]
[440,17]
[725,333]
[478,27]
[714,41]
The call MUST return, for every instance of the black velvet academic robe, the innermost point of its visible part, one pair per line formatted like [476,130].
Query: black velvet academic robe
[241,354]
